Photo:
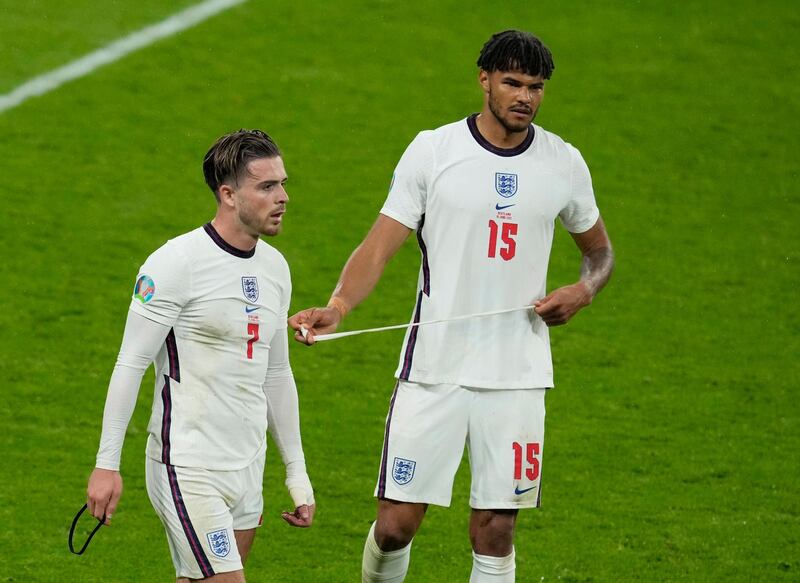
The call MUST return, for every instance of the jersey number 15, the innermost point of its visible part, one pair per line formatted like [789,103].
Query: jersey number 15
[507,232]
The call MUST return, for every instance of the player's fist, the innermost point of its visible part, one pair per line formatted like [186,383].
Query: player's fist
[314,321]
[560,305]
[103,493]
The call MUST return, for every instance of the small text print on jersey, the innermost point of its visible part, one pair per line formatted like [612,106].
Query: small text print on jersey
[219,542]
[145,289]
[250,288]
[403,470]
[505,184]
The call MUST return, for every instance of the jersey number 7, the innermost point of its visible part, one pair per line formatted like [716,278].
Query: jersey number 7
[509,231]
[252,331]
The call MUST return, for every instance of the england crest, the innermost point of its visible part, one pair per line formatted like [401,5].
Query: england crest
[505,184]
[403,470]
[250,288]
[219,542]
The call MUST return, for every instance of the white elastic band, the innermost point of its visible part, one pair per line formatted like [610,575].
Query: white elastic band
[335,335]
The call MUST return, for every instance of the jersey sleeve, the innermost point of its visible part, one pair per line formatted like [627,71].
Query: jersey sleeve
[581,212]
[408,192]
[163,285]
[140,343]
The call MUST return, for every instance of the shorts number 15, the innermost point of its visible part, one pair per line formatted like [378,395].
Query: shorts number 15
[532,469]
[509,231]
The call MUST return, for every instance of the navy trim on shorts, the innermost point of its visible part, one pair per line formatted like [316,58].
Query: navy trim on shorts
[472,123]
[384,461]
[186,523]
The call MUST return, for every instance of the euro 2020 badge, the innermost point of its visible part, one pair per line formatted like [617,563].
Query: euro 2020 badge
[505,184]
[403,470]
[145,289]
[250,288]
[219,542]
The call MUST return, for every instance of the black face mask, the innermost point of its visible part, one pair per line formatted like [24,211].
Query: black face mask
[100,523]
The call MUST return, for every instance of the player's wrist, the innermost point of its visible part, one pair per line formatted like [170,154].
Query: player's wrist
[339,305]
[588,291]
[299,484]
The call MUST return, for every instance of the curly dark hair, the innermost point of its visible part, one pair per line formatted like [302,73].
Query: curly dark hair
[516,50]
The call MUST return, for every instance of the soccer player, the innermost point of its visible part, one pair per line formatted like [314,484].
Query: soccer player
[482,195]
[209,308]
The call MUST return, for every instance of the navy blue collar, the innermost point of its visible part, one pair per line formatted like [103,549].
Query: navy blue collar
[472,122]
[224,245]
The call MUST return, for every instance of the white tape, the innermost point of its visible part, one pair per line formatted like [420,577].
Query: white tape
[335,335]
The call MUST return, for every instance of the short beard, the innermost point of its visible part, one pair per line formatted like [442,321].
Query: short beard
[509,128]
[251,223]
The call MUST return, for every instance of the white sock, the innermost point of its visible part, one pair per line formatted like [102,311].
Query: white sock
[486,569]
[383,566]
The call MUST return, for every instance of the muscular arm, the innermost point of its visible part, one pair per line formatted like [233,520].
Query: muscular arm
[359,277]
[560,305]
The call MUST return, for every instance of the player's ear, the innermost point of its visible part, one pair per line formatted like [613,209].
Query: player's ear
[483,79]
[226,195]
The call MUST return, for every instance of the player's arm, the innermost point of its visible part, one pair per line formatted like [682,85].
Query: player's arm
[140,344]
[560,305]
[283,422]
[359,277]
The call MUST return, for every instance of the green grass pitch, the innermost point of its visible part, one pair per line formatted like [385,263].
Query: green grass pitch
[673,436]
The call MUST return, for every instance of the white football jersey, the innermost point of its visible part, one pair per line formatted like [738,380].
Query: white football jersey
[484,218]
[225,306]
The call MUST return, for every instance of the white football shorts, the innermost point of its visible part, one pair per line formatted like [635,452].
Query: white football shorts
[428,426]
[200,509]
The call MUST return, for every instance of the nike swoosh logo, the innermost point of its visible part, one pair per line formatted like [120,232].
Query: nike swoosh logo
[505,206]
[519,492]
[250,310]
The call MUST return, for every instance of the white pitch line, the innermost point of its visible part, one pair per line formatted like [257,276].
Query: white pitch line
[115,51]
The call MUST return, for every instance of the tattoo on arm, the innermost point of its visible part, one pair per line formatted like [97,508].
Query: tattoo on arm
[596,268]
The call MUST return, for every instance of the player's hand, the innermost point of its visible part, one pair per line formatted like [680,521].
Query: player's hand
[103,493]
[302,517]
[302,493]
[315,321]
[558,307]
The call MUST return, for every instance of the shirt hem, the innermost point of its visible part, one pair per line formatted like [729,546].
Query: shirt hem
[153,451]
[499,384]
[399,218]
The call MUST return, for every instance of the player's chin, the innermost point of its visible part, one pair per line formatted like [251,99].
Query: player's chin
[518,121]
[271,229]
